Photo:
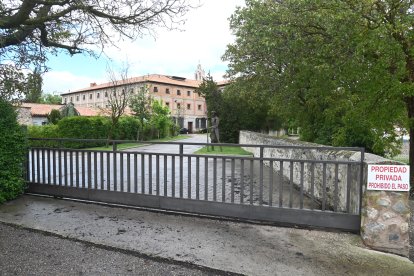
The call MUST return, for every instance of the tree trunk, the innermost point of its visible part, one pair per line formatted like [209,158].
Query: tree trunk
[410,111]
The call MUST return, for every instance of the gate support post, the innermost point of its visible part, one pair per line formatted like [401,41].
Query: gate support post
[385,218]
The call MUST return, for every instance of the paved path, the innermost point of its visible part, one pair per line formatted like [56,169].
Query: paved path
[228,246]
[27,252]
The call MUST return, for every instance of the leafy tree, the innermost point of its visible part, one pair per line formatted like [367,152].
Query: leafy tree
[342,69]
[160,118]
[12,83]
[51,99]
[30,30]
[34,87]
[140,104]
[208,89]
[54,116]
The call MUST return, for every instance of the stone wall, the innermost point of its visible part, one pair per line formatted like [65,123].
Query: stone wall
[385,215]
[24,116]
[247,137]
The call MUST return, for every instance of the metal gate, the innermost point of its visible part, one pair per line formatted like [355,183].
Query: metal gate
[318,193]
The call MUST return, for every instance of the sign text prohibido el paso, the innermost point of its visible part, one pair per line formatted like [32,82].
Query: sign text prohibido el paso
[388,178]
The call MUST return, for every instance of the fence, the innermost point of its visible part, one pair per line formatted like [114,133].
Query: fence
[168,175]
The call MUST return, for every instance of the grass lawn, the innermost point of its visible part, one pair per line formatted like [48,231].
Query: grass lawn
[135,145]
[223,150]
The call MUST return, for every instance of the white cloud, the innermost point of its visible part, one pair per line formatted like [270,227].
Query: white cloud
[57,82]
[203,39]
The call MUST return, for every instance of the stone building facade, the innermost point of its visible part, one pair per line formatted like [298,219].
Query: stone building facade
[177,93]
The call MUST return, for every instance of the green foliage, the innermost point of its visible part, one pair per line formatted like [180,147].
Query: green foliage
[69,110]
[54,116]
[325,67]
[160,119]
[34,87]
[51,99]
[209,90]
[140,104]
[13,147]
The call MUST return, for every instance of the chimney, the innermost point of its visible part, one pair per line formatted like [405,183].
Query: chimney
[92,84]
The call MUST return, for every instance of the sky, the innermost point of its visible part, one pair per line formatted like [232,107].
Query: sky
[202,39]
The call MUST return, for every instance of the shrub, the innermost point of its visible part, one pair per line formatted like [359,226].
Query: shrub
[46,131]
[78,127]
[127,128]
[13,146]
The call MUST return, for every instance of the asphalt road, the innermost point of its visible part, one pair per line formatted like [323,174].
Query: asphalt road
[26,252]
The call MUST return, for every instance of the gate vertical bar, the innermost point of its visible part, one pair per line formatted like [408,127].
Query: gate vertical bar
[173,176]
[142,173]
[197,178]
[77,168]
[128,173]
[312,166]
[271,184]
[214,179]
[181,171]
[95,169]
[121,170]
[206,178]
[232,179]
[336,189]
[189,178]
[281,185]
[108,171]
[261,177]
[150,173]
[251,181]
[291,185]
[89,164]
[223,180]
[157,176]
[302,172]
[165,175]
[324,187]
[361,179]
[348,189]
[136,173]
[241,181]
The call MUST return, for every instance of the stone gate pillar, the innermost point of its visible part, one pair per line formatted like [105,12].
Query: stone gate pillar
[385,217]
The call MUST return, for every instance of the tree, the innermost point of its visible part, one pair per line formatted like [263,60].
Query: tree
[34,87]
[160,118]
[51,99]
[343,70]
[119,95]
[30,30]
[208,89]
[140,104]
[54,116]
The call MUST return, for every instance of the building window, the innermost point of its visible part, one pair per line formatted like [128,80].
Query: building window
[155,89]
[77,98]
[90,96]
[178,93]
[188,93]
[188,106]
[97,95]
[167,91]
[66,100]
[71,99]
[203,123]
[106,94]
[178,106]
[199,107]
[84,97]
[167,104]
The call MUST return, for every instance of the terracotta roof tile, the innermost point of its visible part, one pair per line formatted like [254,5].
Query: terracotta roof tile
[147,78]
[45,109]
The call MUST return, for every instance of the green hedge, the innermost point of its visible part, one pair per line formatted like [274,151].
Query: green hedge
[13,146]
[78,127]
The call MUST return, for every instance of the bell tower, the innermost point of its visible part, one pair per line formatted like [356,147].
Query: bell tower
[199,73]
